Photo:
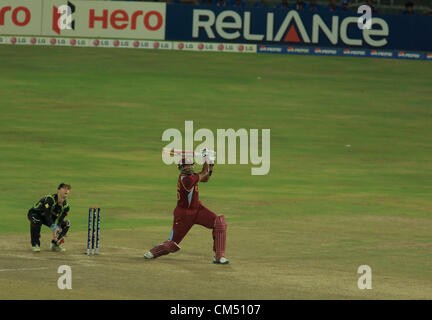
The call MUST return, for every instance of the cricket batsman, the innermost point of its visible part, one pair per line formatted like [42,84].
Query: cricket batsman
[190,211]
[51,211]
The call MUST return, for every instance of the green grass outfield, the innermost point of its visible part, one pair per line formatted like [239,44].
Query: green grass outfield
[349,184]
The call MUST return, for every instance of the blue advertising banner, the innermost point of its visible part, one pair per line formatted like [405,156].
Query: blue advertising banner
[299,28]
[347,52]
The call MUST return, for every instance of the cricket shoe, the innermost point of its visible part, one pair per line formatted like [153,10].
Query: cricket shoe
[36,248]
[56,247]
[222,260]
[148,255]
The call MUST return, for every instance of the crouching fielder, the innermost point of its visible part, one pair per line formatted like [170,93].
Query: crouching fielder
[47,211]
[190,211]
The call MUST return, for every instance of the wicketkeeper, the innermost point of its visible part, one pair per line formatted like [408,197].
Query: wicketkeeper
[190,211]
[51,211]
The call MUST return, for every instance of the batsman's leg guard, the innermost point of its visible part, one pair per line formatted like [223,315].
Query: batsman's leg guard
[219,236]
[164,248]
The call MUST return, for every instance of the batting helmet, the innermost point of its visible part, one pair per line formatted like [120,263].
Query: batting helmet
[184,161]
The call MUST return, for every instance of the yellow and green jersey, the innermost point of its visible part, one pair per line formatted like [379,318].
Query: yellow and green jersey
[49,208]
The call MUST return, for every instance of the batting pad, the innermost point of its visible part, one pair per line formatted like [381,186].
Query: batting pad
[220,236]
[165,248]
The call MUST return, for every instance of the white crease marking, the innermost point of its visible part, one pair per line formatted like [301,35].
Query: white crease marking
[24,269]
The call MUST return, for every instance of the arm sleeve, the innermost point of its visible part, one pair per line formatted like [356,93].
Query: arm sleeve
[190,181]
[63,215]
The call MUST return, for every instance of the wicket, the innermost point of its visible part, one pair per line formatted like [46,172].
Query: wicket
[92,230]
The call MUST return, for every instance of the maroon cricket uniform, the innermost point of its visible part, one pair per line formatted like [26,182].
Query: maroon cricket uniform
[189,210]
[187,192]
